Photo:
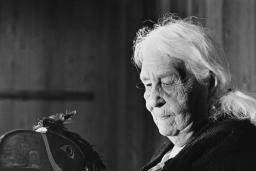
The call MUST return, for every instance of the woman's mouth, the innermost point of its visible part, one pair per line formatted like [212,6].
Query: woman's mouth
[163,117]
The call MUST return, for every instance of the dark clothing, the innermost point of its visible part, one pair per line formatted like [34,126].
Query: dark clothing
[227,145]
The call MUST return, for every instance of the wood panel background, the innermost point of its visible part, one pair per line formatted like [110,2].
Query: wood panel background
[85,48]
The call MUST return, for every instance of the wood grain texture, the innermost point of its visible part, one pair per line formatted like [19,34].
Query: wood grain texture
[75,46]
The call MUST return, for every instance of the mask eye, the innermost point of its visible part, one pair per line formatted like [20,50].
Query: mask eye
[68,149]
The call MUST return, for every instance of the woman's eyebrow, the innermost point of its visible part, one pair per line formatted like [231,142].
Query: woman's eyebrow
[167,74]
[159,75]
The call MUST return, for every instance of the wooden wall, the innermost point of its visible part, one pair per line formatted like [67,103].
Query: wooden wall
[58,55]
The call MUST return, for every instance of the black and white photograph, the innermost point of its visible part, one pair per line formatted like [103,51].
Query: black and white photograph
[127,85]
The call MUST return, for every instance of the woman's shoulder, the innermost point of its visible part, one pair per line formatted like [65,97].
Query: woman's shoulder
[229,143]
[220,145]
[230,128]
[230,132]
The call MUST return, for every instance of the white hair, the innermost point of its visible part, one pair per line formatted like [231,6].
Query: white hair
[203,57]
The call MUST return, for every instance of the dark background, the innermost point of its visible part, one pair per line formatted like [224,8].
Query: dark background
[58,55]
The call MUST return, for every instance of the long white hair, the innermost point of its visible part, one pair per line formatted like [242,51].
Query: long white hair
[190,42]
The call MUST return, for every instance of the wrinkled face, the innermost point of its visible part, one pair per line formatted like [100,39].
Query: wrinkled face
[173,95]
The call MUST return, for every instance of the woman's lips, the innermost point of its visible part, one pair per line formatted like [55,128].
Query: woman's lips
[163,117]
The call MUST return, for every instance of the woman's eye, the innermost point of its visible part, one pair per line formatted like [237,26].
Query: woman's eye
[166,85]
[169,83]
[148,85]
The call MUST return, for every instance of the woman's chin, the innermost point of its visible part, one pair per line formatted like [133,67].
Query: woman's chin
[167,127]
[170,131]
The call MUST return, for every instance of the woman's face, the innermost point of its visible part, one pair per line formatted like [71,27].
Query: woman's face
[173,95]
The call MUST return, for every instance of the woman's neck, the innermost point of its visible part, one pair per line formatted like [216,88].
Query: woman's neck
[183,136]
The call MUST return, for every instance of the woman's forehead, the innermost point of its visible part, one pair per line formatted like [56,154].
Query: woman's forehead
[160,66]
[159,59]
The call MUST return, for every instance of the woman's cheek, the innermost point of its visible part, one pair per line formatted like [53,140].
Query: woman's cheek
[178,94]
[174,103]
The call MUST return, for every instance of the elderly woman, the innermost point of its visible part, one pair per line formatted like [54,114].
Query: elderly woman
[209,127]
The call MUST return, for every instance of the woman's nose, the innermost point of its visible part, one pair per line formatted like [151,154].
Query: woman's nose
[155,99]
